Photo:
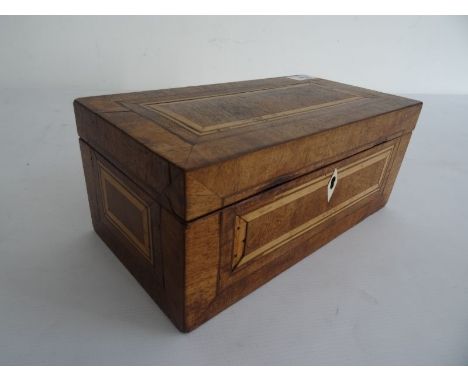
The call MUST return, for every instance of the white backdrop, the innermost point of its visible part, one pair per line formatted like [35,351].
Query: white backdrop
[390,291]
[391,54]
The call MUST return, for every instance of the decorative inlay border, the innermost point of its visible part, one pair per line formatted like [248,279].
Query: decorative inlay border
[242,221]
[211,129]
[144,247]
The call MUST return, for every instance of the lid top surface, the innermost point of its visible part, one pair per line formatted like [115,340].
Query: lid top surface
[197,126]
[212,115]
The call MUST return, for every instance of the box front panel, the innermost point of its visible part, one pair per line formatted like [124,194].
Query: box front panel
[232,252]
[262,229]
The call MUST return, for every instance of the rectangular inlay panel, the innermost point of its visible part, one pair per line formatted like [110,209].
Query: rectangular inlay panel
[299,210]
[126,211]
[207,115]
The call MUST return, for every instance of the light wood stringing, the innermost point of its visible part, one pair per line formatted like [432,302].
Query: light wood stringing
[242,222]
[143,247]
[211,129]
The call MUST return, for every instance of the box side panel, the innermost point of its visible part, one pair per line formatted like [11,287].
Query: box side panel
[147,239]
[158,177]
[225,183]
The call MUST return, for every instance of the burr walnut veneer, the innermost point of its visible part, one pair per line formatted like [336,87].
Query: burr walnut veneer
[207,192]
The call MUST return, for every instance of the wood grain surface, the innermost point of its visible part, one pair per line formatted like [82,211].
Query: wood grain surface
[205,193]
[191,137]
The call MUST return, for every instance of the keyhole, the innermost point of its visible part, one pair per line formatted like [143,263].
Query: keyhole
[332,183]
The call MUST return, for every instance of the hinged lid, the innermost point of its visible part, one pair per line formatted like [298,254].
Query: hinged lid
[233,140]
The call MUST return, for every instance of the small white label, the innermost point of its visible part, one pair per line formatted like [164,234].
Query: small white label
[301,77]
[332,184]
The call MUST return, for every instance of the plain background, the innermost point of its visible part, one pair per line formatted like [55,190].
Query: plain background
[392,54]
[392,290]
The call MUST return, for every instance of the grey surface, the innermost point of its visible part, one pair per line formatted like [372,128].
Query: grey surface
[392,290]
[409,54]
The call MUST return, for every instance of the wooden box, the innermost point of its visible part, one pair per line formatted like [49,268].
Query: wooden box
[207,192]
